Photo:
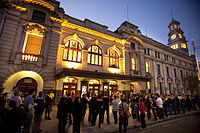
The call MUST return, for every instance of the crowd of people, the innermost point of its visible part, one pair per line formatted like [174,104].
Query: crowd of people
[18,110]
[21,112]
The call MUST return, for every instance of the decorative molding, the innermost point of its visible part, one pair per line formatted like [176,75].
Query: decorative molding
[65,23]
[56,20]
[17,7]
[40,2]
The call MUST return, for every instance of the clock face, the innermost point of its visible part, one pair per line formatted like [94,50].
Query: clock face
[180,36]
[173,36]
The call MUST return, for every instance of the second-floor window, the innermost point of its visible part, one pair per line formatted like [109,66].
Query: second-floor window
[175,72]
[158,67]
[132,45]
[32,45]
[38,16]
[133,64]
[94,55]
[181,72]
[113,59]
[167,70]
[147,66]
[72,51]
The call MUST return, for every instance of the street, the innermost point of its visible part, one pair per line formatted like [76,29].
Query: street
[189,124]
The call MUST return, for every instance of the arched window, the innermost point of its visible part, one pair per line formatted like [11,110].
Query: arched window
[113,59]
[94,55]
[147,66]
[72,51]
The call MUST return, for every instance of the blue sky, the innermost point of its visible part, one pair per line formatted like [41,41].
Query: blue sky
[152,15]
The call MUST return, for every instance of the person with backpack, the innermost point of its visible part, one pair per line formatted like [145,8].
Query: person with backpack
[62,114]
[39,109]
[123,119]
[134,107]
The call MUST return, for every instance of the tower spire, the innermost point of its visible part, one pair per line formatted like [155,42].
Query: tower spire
[172,14]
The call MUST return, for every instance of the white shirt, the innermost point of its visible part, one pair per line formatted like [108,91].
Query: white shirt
[159,102]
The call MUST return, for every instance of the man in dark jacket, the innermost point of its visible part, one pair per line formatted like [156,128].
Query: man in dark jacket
[39,109]
[105,100]
[69,102]
[84,102]
[92,108]
[48,105]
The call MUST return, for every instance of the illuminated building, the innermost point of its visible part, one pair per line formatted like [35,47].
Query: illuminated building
[46,50]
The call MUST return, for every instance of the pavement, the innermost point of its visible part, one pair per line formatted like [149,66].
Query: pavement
[50,126]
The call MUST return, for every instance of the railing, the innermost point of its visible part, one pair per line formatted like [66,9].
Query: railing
[29,57]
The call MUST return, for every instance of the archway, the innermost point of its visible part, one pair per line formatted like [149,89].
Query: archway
[12,80]
[26,84]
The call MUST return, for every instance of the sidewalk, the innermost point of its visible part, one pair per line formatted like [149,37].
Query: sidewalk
[50,126]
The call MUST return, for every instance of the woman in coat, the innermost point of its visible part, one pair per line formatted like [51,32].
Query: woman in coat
[62,115]
[76,112]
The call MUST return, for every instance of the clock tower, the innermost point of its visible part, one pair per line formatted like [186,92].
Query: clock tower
[176,39]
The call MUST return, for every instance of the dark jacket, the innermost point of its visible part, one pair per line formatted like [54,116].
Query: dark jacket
[39,108]
[62,112]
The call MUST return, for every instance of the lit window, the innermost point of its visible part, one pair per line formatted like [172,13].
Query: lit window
[175,27]
[94,55]
[180,36]
[148,67]
[148,85]
[183,45]
[32,45]
[174,46]
[113,59]
[171,27]
[179,26]
[72,51]
[133,64]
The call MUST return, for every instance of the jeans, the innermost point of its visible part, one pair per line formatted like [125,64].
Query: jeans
[115,116]
[28,122]
[123,124]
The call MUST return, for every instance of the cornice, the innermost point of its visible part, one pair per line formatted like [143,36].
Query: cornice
[40,2]
[67,24]
[17,7]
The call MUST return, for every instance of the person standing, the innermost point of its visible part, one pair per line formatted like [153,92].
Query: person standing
[84,102]
[123,120]
[39,109]
[69,102]
[142,113]
[17,97]
[148,106]
[48,106]
[62,115]
[92,109]
[115,103]
[29,104]
[159,104]
[134,107]
[76,115]
[154,107]
[105,100]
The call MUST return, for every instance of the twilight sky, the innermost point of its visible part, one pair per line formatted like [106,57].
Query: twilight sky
[152,15]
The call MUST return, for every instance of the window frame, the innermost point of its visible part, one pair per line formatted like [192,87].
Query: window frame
[99,54]
[116,58]
[77,50]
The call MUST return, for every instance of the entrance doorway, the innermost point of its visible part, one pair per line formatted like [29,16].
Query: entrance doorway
[94,86]
[27,84]
[113,87]
[69,86]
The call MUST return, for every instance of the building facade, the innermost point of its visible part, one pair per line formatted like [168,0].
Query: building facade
[44,49]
